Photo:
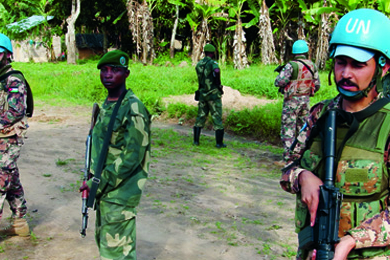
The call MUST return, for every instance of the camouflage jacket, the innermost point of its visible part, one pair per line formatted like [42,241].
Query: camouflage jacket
[13,95]
[374,231]
[127,163]
[209,90]
[300,83]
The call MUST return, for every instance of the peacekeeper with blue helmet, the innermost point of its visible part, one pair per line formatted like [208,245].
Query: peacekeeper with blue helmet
[360,50]
[13,127]
[298,81]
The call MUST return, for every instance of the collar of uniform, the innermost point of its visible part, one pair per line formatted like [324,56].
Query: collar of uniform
[4,69]
[300,56]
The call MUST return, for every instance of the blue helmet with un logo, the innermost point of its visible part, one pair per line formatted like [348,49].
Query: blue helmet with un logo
[363,28]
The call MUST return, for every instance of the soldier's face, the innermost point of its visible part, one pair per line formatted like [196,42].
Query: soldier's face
[353,75]
[113,77]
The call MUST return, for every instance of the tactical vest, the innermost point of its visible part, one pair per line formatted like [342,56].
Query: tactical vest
[362,176]
[301,83]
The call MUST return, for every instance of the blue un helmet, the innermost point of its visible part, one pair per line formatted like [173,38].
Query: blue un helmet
[5,43]
[300,47]
[361,34]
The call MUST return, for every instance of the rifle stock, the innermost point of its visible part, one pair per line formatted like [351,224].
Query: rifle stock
[324,235]
[84,194]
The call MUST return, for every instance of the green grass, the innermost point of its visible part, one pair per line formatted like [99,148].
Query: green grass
[70,85]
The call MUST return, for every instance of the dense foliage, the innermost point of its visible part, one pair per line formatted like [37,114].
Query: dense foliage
[216,21]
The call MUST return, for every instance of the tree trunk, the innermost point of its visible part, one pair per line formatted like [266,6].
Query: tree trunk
[301,30]
[105,40]
[240,59]
[134,24]
[172,47]
[141,27]
[323,44]
[147,34]
[267,39]
[70,38]
[199,38]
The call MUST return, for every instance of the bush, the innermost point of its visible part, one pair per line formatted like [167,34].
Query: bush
[262,123]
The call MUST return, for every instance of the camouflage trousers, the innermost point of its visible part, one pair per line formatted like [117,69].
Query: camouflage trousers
[115,233]
[294,115]
[10,186]
[214,107]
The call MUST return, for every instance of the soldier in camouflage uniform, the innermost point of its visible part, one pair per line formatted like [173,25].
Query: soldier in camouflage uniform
[126,165]
[210,88]
[298,80]
[13,126]
[360,49]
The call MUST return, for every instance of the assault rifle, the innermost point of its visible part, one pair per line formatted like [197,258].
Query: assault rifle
[324,235]
[86,170]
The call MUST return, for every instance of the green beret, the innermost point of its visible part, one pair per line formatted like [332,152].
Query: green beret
[114,58]
[209,48]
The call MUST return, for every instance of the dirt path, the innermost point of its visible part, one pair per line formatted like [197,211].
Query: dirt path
[192,208]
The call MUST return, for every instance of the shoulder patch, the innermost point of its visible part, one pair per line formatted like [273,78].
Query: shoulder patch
[13,89]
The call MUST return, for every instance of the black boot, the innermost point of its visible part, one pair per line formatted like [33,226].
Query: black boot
[196,135]
[219,138]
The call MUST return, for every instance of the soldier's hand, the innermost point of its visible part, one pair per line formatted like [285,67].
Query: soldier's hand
[347,243]
[310,192]
[84,187]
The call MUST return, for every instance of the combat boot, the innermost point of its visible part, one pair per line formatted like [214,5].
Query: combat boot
[196,134]
[219,138]
[19,227]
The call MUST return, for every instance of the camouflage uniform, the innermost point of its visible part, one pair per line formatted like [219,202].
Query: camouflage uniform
[13,126]
[296,89]
[123,176]
[210,94]
[364,211]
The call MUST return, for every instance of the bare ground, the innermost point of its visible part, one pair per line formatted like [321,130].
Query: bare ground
[192,208]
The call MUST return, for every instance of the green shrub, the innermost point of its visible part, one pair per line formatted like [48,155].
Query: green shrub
[262,123]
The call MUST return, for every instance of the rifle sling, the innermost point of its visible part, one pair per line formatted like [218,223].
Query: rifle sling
[103,153]
[307,66]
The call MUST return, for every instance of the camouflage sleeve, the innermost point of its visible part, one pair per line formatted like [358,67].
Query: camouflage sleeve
[316,80]
[134,141]
[284,76]
[290,174]
[373,232]
[17,93]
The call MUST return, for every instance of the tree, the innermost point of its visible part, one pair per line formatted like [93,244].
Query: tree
[199,20]
[240,59]
[267,39]
[260,11]
[172,47]
[16,10]
[70,38]
[141,26]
